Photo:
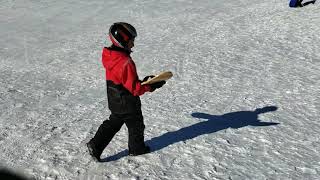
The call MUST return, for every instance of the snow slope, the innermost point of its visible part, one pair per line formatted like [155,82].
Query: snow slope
[229,58]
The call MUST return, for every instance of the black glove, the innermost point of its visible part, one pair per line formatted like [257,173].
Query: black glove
[157,85]
[146,78]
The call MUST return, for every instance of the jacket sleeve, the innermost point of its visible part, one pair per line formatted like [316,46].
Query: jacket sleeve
[131,81]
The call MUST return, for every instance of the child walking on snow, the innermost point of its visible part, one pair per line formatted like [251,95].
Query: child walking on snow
[123,91]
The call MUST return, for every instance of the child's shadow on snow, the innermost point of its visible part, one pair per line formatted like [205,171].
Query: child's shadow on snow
[211,124]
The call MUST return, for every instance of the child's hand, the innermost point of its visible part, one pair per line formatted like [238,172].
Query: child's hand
[147,78]
[157,85]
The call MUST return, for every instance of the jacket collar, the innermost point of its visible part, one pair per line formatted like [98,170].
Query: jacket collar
[115,48]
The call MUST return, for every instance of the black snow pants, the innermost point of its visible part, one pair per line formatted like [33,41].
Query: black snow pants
[109,128]
[125,109]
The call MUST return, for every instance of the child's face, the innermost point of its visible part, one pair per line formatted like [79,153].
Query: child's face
[131,43]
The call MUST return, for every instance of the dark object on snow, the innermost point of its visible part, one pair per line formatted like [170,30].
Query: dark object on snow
[9,175]
[298,3]
[295,3]
[309,2]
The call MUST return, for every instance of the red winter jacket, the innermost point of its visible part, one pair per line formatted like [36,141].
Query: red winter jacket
[121,70]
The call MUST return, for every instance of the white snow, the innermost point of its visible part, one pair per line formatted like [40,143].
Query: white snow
[228,58]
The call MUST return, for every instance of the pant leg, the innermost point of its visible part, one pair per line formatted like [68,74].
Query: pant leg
[135,125]
[106,131]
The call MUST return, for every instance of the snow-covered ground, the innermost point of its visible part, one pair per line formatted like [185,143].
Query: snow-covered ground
[229,58]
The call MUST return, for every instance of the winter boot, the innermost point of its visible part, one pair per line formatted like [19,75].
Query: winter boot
[94,152]
[144,150]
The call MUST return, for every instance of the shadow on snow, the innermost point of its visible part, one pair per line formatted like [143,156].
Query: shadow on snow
[211,124]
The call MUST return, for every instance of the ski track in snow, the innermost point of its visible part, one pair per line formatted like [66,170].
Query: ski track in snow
[228,58]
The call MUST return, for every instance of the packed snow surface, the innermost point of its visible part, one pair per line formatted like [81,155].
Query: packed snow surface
[243,102]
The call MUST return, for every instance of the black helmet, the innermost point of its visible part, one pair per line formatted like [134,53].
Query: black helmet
[120,33]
